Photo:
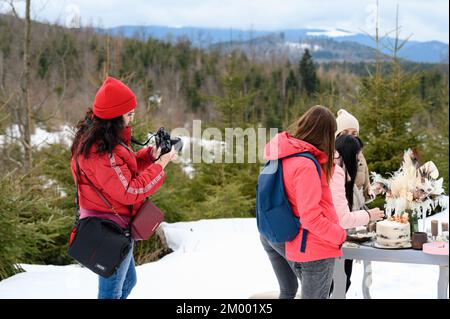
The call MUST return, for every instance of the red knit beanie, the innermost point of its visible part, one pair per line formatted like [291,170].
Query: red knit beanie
[113,99]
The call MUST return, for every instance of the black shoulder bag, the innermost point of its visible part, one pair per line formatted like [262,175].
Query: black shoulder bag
[98,244]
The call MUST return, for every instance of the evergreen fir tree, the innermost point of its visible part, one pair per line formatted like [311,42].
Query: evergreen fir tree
[233,104]
[307,71]
[389,101]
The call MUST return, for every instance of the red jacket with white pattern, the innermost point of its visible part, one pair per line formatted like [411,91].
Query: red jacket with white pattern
[125,178]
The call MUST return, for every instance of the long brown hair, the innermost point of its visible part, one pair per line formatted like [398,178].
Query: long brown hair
[317,127]
[106,134]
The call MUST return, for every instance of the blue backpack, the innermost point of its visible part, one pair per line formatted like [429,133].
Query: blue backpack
[275,218]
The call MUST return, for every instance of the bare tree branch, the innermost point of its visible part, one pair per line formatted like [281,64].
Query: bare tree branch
[367,34]
[7,100]
[25,88]
[10,3]
[14,170]
[402,44]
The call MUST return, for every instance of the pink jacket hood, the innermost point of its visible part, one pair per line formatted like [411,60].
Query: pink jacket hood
[283,144]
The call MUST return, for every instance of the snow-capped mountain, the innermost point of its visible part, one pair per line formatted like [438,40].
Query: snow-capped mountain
[325,43]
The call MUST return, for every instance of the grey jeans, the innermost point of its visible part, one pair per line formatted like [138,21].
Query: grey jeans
[315,276]
[284,269]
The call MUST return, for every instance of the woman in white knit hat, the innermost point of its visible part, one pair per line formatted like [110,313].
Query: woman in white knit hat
[347,124]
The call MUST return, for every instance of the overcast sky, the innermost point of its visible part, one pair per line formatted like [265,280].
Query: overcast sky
[425,19]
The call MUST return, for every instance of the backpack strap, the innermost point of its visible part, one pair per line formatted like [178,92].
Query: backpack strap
[307,155]
[313,158]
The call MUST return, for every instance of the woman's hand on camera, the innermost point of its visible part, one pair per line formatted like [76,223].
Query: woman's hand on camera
[155,152]
[168,157]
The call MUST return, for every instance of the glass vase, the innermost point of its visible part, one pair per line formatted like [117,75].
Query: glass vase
[414,223]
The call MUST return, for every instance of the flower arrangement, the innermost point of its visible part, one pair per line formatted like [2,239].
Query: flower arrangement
[413,188]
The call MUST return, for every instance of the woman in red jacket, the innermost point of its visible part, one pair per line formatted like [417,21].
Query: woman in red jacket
[125,178]
[310,198]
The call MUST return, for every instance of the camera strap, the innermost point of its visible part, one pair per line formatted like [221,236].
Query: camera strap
[135,141]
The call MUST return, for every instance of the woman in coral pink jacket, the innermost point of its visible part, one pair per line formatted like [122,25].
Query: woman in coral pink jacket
[125,178]
[311,200]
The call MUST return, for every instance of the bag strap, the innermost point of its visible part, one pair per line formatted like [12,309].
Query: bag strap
[132,152]
[307,155]
[77,199]
[103,198]
[128,148]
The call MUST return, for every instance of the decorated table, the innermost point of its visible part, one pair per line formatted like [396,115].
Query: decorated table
[367,253]
[413,192]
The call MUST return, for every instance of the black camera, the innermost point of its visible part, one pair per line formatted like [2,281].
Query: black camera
[165,142]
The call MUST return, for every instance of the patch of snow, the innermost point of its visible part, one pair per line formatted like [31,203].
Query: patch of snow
[49,183]
[189,170]
[40,138]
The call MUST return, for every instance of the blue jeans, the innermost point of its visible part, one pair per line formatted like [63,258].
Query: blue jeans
[120,284]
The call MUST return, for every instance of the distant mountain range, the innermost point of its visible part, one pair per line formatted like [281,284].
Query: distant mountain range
[325,44]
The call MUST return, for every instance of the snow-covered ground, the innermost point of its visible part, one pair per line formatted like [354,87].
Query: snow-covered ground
[220,258]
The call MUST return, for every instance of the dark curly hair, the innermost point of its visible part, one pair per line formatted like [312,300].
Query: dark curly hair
[92,130]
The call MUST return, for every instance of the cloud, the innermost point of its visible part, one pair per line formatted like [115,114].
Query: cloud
[427,20]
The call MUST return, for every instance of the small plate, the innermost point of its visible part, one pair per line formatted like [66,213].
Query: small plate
[376,245]
[360,238]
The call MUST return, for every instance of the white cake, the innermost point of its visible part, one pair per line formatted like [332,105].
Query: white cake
[393,234]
